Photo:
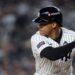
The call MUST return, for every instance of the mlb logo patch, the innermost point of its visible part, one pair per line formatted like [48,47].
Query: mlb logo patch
[40,44]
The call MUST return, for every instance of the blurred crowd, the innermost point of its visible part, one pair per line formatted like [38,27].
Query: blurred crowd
[16,28]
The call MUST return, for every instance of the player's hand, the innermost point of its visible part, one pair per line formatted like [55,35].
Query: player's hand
[67,56]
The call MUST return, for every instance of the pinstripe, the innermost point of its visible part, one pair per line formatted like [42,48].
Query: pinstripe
[48,67]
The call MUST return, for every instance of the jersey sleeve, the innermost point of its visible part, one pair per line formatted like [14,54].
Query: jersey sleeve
[38,43]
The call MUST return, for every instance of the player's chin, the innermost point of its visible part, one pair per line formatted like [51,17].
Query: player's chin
[43,33]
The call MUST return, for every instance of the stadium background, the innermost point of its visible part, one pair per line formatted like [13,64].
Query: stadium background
[16,28]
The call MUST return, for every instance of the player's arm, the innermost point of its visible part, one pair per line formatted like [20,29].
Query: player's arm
[57,53]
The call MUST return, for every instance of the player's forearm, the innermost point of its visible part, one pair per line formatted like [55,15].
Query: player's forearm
[57,53]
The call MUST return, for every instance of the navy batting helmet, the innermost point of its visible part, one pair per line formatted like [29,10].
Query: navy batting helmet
[49,14]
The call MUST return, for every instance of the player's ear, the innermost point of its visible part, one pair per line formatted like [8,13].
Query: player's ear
[54,25]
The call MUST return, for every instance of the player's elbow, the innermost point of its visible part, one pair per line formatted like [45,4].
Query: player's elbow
[49,54]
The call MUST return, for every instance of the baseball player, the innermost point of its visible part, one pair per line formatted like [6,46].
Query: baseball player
[52,44]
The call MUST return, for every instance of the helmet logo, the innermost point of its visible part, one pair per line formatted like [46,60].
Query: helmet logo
[51,14]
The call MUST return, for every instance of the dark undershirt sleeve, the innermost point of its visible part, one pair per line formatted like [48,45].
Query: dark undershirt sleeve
[57,53]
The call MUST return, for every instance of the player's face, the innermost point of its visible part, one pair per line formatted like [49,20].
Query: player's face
[45,29]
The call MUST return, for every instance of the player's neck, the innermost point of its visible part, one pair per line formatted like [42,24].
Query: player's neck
[55,33]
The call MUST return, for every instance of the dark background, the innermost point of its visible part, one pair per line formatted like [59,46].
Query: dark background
[16,29]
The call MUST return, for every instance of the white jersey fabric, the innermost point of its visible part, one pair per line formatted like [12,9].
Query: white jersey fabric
[45,66]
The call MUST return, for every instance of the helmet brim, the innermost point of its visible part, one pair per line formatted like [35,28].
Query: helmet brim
[40,20]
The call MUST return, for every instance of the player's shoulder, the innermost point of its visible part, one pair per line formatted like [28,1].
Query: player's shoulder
[37,36]
[68,31]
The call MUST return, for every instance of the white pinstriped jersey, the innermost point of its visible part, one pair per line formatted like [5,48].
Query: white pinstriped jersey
[45,66]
